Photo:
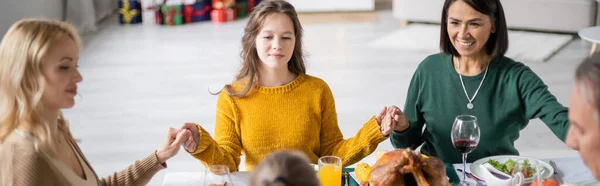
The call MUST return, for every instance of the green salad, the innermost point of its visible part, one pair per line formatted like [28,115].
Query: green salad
[508,167]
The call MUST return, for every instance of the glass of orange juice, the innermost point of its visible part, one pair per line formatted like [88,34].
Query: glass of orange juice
[330,171]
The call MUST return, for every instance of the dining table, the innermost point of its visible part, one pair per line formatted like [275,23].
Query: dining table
[571,170]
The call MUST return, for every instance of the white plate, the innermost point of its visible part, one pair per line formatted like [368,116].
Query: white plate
[475,168]
[589,183]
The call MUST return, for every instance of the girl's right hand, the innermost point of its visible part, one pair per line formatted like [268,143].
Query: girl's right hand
[191,143]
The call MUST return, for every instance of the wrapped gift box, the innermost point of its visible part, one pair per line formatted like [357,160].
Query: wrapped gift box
[223,4]
[222,15]
[252,4]
[198,11]
[151,11]
[172,13]
[130,11]
[241,8]
[158,15]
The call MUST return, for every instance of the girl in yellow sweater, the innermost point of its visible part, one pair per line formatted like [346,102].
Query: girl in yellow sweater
[274,105]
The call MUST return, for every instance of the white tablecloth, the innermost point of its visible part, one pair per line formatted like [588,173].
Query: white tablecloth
[572,169]
[195,178]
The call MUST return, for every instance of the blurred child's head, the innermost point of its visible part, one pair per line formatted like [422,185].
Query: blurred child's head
[285,168]
[272,41]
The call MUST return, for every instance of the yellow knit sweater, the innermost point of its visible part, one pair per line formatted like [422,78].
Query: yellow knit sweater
[300,115]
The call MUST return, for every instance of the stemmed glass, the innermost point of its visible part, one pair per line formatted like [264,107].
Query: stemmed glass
[517,173]
[538,176]
[465,137]
[217,175]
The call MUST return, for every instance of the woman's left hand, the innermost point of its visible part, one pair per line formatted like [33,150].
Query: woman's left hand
[171,144]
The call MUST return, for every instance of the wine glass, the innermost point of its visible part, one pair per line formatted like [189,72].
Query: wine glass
[519,173]
[538,176]
[465,137]
[532,171]
[217,175]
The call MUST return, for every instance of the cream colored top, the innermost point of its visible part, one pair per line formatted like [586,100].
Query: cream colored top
[23,164]
[70,175]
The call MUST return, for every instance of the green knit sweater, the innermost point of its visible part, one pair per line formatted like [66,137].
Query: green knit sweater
[511,95]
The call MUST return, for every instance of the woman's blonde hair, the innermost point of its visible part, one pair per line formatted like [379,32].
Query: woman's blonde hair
[285,168]
[250,59]
[21,79]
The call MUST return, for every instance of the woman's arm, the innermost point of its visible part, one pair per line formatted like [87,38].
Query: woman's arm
[540,103]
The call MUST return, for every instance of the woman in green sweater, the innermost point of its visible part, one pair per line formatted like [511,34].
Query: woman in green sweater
[472,76]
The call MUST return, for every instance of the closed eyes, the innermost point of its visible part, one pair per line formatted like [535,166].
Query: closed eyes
[271,37]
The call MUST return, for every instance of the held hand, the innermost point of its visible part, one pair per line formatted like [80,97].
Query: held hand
[392,118]
[401,122]
[381,114]
[387,122]
[191,143]
[171,144]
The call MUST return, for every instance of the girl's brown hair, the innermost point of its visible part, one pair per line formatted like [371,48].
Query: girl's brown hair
[251,61]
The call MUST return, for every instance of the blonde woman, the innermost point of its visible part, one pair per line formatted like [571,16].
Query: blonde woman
[38,78]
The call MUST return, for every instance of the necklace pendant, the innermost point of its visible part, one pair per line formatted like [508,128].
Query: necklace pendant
[470,106]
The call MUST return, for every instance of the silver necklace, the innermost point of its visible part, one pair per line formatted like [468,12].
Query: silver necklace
[470,104]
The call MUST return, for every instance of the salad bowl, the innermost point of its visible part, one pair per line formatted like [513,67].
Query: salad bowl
[478,170]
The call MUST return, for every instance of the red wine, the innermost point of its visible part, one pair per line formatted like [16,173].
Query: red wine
[465,146]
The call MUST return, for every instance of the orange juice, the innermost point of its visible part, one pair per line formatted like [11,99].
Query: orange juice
[330,175]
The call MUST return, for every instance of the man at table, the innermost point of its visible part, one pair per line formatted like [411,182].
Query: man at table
[584,115]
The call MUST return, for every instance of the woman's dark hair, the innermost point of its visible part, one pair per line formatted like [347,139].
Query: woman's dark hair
[497,44]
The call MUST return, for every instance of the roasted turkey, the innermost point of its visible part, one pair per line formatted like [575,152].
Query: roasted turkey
[404,167]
